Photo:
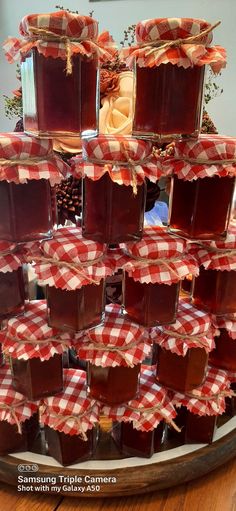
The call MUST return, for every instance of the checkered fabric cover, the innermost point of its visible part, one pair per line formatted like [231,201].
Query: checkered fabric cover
[227,322]
[68,245]
[140,411]
[217,255]
[13,405]
[72,411]
[216,382]
[184,55]
[19,146]
[231,375]
[32,326]
[191,322]
[156,244]
[10,259]
[106,148]
[206,147]
[61,23]
[115,334]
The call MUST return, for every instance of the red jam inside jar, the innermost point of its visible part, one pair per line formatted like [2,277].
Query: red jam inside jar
[35,220]
[150,304]
[12,441]
[200,209]
[215,291]
[12,293]
[113,385]
[69,449]
[224,354]
[181,373]
[75,310]
[111,212]
[195,429]
[168,101]
[35,378]
[55,103]
[133,442]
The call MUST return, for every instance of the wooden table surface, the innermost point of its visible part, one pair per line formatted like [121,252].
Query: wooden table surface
[215,492]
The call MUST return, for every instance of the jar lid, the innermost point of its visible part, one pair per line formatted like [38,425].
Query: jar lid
[125,158]
[10,260]
[171,29]
[207,156]
[158,257]
[148,409]
[29,336]
[72,411]
[116,342]
[209,398]
[23,158]
[14,408]
[62,23]
[226,322]
[217,255]
[69,261]
[192,329]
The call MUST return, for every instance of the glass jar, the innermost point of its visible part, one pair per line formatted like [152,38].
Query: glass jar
[113,385]
[134,442]
[215,291]
[70,449]
[195,429]
[224,354]
[12,293]
[13,441]
[35,378]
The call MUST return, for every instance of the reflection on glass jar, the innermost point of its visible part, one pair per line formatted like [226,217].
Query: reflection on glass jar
[12,293]
[215,291]
[35,378]
[113,385]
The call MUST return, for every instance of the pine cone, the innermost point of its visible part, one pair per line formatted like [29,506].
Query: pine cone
[207,124]
[69,199]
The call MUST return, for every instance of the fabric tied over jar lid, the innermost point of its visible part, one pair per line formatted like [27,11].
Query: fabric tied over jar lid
[69,261]
[10,259]
[60,34]
[148,409]
[23,158]
[192,329]
[71,412]
[217,255]
[117,342]
[207,156]
[127,160]
[14,408]
[209,398]
[29,336]
[159,258]
[184,42]
[226,322]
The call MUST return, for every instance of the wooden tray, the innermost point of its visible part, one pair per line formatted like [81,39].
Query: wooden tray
[120,477]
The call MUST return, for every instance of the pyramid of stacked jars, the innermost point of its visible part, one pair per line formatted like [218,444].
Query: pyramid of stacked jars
[160,366]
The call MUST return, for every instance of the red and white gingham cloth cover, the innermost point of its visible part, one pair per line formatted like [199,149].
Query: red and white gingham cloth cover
[217,255]
[18,146]
[158,244]
[68,245]
[226,322]
[116,149]
[62,23]
[189,322]
[117,333]
[231,376]
[184,55]
[32,326]
[216,382]
[151,395]
[10,260]
[72,411]
[207,147]
[13,405]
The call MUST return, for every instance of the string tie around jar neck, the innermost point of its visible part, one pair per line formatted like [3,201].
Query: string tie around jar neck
[62,419]
[11,410]
[56,339]
[142,261]
[213,397]
[177,335]
[120,350]
[26,161]
[157,408]
[215,252]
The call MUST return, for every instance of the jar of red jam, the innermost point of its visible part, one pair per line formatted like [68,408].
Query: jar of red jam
[74,270]
[224,354]
[59,56]
[28,171]
[70,420]
[203,179]
[114,352]
[183,348]
[169,70]
[201,407]
[214,289]
[19,421]
[35,351]
[114,188]
[153,269]
[12,292]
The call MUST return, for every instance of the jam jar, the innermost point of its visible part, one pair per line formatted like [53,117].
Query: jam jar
[71,421]
[74,271]
[114,352]
[36,352]
[135,442]
[153,269]
[12,293]
[59,73]
[215,288]
[224,354]
[114,170]
[202,186]
[169,85]
[183,348]
[29,170]
[195,428]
